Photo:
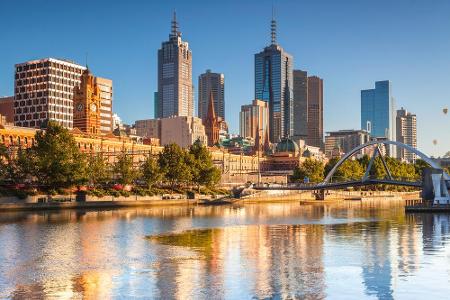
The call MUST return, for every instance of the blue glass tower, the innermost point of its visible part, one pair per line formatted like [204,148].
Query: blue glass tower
[378,111]
[274,84]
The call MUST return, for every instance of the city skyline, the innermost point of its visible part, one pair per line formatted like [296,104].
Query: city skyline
[388,58]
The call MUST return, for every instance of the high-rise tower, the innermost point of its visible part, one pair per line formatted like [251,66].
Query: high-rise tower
[214,83]
[175,90]
[406,133]
[274,84]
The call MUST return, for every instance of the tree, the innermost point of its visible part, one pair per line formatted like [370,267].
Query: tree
[4,158]
[173,164]
[98,170]
[22,166]
[311,168]
[150,171]
[124,170]
[201,165]
[351,170]
[58,161]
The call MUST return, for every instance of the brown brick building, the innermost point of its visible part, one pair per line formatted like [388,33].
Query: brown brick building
[86,116]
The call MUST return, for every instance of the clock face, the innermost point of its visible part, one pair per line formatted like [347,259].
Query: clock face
[93,107]
[80,107]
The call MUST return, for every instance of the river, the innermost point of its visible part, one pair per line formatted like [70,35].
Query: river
[345,250]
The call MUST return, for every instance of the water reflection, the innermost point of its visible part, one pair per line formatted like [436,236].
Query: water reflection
[280,250]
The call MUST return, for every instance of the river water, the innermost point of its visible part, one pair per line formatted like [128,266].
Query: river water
[346,250]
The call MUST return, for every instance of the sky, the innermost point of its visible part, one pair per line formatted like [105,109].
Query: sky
[350,44]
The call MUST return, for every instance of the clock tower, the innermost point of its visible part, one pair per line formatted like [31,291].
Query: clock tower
[86,105]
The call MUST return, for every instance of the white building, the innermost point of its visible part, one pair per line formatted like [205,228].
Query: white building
[43,91]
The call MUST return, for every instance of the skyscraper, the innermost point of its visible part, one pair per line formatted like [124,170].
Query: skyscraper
[44,91]
[175,90]
[315,112]
[406,134]
[274,84]
[300,104]
[378,112]
[211,83]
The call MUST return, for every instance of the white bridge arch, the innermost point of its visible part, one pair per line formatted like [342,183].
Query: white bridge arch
[424,157]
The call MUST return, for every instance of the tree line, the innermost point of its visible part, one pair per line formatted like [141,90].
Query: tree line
[55,162]
[314,171]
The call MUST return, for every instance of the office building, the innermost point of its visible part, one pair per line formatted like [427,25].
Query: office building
[183,131]
[377,110]
[315,112]
[106,104]
[378,113]
[343,141]
[274,84]
[300,104]
[149,128]
[44,91]
[7,108]
[211,83]
[254,120]
[406,125]
[155,105]
[175,90]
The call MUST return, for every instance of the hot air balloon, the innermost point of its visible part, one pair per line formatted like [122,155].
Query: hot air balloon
[434,142]
[445,110]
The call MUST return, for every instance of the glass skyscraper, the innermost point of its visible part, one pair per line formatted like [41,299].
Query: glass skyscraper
[274,84]
[378,111]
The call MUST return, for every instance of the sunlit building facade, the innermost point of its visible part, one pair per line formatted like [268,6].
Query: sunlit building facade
[406,134]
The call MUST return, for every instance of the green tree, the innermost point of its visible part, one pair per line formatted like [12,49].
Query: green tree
[124,170]
[201,166]
[150,171]
[311,168]
[98,170]
[173,163]
[58,161]
[351,170]
[4,158]
[22,166]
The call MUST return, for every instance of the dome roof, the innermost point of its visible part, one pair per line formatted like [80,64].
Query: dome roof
[287,145]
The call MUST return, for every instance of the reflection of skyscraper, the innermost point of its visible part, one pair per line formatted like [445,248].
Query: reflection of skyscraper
[377,270]
[175,90]
[274,84]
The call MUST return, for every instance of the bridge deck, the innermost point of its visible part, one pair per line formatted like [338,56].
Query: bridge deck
[337,185]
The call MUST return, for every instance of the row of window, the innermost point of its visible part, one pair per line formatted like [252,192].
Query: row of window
[47,64]
[35,116]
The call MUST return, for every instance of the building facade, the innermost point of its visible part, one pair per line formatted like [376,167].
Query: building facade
[7,108]
[208,83]
[378,110]
[406,125]
[43,91]
[300,104]
[274,84]
[86,116]
[106,104]
[343,141]
[315,112]
[175,89]
[254,120]
[183,131]
[149,128]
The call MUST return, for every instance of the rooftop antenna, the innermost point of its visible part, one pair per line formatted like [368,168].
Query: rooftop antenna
[273,28]
[174,32]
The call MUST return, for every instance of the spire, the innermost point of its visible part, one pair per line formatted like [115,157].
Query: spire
[211,115]
[273,28]
[175,28]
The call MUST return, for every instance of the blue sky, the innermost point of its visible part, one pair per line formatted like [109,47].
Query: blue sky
[350,44]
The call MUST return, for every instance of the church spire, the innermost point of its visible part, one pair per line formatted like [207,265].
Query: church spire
[211,114]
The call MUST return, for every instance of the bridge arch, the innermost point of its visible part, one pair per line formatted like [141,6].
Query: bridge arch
[424,157]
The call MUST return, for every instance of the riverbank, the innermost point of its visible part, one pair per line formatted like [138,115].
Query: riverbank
[302,197]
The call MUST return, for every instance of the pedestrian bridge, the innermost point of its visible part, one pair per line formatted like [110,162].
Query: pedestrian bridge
[327,184]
